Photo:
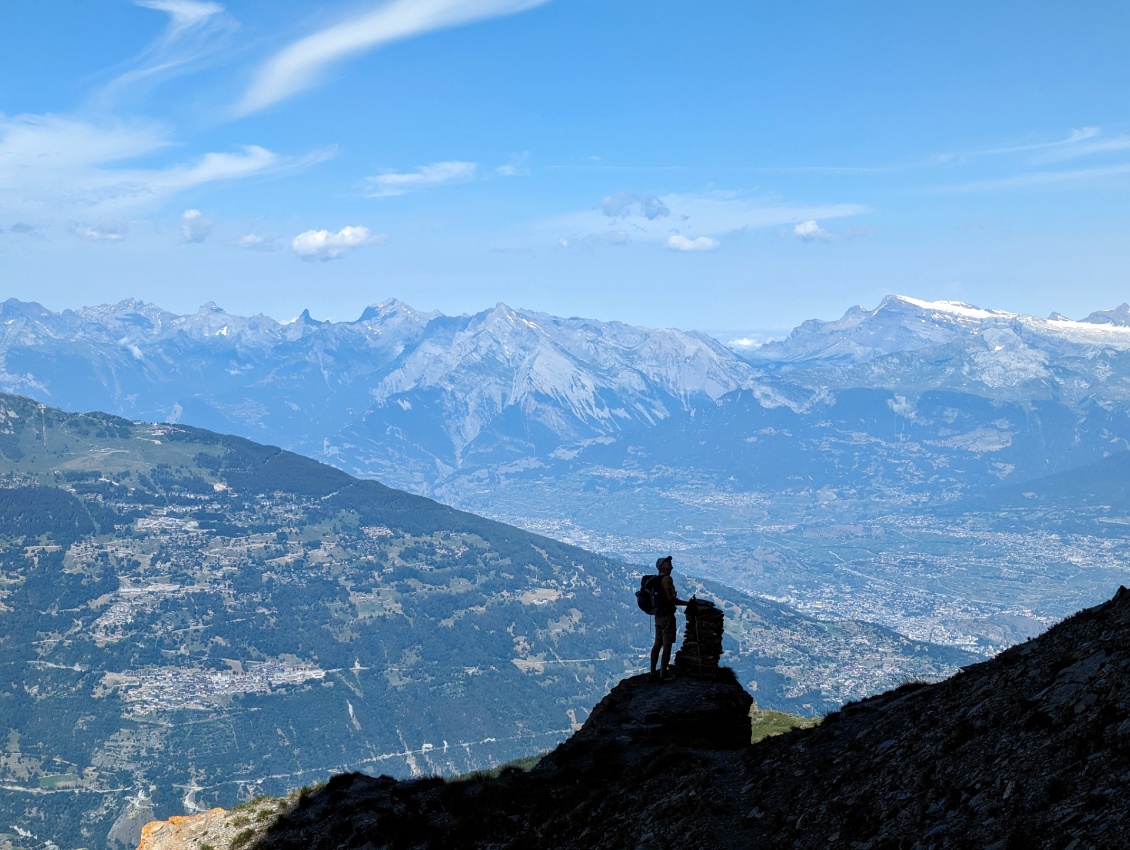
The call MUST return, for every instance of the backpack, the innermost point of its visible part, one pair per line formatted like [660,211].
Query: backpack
[647,597]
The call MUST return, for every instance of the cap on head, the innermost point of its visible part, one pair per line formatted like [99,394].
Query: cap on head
[662,562]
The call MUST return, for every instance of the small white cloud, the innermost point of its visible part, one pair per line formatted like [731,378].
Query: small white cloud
[678,242]
[255,242]
[100,232]
[195,226]
[132,348]
[810,231]
[563,242]
[746,343]
[390,183]
[325,245]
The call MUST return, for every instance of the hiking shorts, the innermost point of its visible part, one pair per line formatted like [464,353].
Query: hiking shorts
[665,629]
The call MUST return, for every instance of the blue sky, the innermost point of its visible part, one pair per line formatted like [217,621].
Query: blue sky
[716,165]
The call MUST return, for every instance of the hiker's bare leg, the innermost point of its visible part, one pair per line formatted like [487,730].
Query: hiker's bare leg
[666,656]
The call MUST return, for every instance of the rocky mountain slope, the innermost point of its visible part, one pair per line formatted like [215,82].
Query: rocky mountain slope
[1029,750]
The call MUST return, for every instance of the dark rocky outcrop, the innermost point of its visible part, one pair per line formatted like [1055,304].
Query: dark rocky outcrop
[639,715]
[1029,750]
[643,764]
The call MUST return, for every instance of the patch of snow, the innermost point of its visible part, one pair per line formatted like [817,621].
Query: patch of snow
[957,308]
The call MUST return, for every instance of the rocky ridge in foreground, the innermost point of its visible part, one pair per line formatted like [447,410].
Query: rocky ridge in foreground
[1030,749]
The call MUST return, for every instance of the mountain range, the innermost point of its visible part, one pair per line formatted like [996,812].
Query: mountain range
[430,402]
[421,399]
[792,471]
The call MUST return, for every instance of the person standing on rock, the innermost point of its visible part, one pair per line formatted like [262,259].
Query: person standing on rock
[665,601]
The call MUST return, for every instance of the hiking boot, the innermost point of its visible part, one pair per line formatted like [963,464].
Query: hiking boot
[667,677]
[653,676]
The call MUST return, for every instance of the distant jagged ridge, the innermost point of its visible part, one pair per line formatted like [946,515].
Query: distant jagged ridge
[414,397]
[572,377]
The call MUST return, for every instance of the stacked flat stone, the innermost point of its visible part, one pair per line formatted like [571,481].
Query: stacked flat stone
[702,640]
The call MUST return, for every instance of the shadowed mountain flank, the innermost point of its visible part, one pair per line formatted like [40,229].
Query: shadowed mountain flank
[1030,749]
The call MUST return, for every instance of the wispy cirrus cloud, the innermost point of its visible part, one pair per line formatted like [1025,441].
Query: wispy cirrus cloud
[187,15]
[105,232]
[1072,139]
[304,63]
[81,167]
[1091,147]
[196,29]
[1080,142]
[389,183]
[1036,178]
[52,166]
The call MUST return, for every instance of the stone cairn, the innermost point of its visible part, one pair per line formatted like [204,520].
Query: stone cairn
[702,640]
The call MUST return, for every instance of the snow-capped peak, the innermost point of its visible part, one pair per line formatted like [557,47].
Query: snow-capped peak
[899,323]
[955,308]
